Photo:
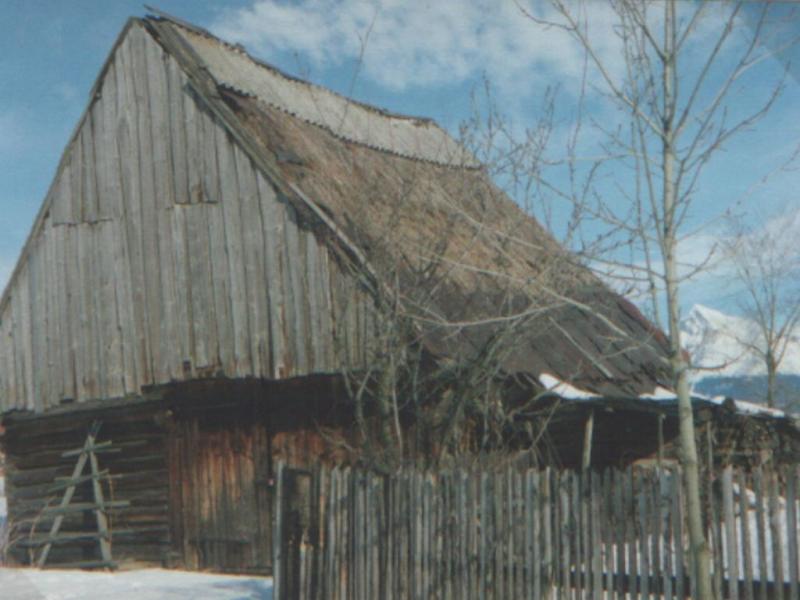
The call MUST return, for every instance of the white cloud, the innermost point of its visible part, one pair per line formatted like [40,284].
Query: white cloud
[418,44]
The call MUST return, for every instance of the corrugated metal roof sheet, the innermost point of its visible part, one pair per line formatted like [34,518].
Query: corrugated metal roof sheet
[406,136]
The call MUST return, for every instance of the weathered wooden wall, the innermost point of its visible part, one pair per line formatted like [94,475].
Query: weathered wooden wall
[140,532]
[161,254]
[222,449]
[196,467]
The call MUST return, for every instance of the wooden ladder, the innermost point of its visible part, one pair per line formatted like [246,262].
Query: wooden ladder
[88,453]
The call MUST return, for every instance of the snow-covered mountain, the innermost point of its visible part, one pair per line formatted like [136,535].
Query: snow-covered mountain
[718,344]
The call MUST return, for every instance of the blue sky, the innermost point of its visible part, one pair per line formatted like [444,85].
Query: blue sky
[420,58]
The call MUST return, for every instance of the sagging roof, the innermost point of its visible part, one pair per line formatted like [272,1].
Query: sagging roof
[418,209]
[214,218]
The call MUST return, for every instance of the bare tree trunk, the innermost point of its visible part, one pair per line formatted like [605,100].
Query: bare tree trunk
[701,558]
[771,377]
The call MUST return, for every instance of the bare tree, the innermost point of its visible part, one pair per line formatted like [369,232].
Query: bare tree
[680,115]
[766,261]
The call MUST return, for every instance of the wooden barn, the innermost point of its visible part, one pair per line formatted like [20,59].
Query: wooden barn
[220,250]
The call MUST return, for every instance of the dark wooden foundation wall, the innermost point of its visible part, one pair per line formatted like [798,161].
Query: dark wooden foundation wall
[196,466]
[33,448]
[222,447]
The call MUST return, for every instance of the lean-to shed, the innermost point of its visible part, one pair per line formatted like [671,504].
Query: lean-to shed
[218,247]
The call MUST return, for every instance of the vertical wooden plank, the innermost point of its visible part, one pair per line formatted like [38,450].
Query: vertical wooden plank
[761,525]
[109,301]
[745,518]
[35,324]
[567,552]
[128,152]
[294,293]
[272,234]
[238,282]
[776,532]
[731,542]
[655,534]
[483,543]
[715,540]
[253,246]
[607,531]
[620,531]
[510,528]
[85,141]
[499,536]
[791,529]
[64,341]
[164,171]
[277,537]
[110,196]
[548,500]
[595,501]
[666,481]
[677,510]
[87,349]
[182,345]
[148,226]
[527,560]
[634,584]
[580,515]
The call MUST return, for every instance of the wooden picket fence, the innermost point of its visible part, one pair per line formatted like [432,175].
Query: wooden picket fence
[510,533]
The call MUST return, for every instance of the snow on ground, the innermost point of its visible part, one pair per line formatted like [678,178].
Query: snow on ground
[147,584]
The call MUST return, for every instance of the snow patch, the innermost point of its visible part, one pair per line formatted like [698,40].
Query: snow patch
[660,393]
[751,408]
[564,389]
[147,584]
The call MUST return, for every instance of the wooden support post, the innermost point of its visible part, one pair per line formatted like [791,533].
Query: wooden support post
[99,511]
[587,441]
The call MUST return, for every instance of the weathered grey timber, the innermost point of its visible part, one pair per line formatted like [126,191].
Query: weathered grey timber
[362,543]
[161,254]
[212,260]
[213,217]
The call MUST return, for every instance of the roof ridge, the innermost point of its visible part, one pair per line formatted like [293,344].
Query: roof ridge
[350,140]
[240,49]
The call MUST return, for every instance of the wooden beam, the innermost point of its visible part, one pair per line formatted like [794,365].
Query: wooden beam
[588,435]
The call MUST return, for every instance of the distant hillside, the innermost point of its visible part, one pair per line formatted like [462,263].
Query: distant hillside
[728,368]
[753,387]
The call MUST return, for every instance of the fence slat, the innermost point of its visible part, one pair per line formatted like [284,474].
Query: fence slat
[791,529]
[505,533]
[776,533]
[745,538]
[607,532]
[596,547]
[665,482]
[731,546]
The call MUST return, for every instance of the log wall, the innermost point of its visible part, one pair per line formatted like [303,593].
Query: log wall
[196,467]
[138,470]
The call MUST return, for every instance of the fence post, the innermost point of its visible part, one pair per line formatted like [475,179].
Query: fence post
[277,534]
